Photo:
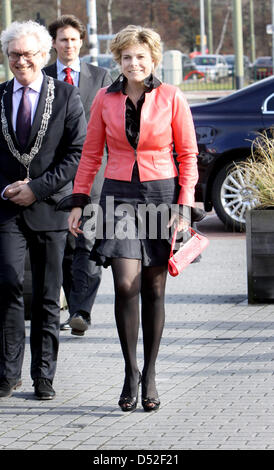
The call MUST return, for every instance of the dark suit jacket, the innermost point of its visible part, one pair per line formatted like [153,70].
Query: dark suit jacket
[54,167]
[92,78]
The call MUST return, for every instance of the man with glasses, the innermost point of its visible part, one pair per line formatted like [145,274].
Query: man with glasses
[81,275]
[42,131]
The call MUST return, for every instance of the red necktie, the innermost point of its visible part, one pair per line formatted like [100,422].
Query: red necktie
[23,121]
[68,77]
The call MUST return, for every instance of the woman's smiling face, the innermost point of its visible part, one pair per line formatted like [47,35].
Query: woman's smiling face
[136,62]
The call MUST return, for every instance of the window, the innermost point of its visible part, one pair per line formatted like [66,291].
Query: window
[268,105]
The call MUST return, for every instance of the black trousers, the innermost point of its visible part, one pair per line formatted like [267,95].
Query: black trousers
[46,251]
[81,275]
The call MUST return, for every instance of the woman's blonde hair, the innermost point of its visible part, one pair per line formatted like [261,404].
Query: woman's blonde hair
[132,35]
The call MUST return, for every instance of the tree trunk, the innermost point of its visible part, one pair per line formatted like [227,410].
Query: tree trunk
[220,45]
[109,17]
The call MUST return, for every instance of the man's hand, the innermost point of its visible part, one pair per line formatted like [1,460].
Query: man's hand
[20,193]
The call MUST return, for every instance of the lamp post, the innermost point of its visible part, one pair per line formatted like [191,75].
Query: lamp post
[58,8]
[252,32]
[238,41]
[92,31]
[202,26]
[272,32]
[209,27]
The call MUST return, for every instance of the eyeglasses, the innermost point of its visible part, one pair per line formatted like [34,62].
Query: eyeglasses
[14,56]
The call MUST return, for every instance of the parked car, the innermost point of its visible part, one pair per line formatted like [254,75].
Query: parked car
[225,130]
[230,60]
[262,68]
[213,66]
[106,61]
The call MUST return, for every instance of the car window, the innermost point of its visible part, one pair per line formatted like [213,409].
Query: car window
[268,105]
[263,61]
[187,62]
[205,60]
[106,62]
[205,135]
[230,59]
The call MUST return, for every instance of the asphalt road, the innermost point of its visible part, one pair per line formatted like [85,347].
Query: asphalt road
[214,228]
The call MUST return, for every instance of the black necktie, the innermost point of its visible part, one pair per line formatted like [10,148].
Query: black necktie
[23,121]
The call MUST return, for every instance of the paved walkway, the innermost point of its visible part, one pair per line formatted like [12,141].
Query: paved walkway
[215,372]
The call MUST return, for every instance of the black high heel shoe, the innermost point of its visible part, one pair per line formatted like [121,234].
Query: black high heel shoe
[150,400]
[150,404]
[128,403]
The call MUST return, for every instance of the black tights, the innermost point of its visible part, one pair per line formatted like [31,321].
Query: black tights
[130,280]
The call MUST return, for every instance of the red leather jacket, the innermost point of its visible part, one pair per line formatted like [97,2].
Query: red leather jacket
[165,119]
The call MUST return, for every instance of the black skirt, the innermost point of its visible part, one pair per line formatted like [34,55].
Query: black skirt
[132,220]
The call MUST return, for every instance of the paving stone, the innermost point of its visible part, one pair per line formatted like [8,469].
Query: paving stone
[214,372]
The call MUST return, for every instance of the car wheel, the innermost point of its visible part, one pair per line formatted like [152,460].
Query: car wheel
[232,196]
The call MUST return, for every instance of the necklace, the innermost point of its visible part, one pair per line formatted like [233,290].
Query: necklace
[26,158]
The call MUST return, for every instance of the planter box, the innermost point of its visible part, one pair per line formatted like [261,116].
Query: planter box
[260,255]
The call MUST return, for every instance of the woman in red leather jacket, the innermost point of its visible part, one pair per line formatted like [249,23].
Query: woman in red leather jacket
[140,119]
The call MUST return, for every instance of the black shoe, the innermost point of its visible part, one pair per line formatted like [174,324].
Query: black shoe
[197,214]
[65,326]
[150,401]
[150,404]
[8,385]
[43,389]
[79,323]
[128,403]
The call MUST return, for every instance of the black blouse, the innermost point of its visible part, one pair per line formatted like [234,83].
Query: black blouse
[133,114]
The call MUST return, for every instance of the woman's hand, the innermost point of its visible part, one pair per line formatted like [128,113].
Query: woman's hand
[181,223]
[74,221]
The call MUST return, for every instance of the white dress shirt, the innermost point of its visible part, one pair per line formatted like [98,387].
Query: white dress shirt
[33,95]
